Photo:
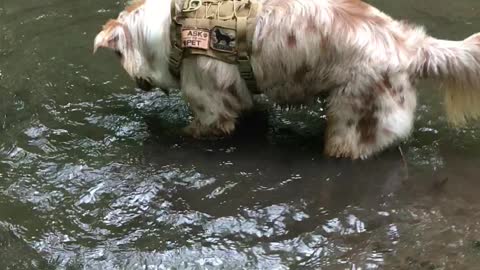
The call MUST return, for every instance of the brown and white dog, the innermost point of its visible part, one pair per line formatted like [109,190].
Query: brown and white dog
[367,62]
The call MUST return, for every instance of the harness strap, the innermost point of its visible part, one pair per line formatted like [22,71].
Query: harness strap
[176,50]
[244,65]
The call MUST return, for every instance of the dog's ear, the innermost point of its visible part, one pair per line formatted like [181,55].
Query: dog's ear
[108,37]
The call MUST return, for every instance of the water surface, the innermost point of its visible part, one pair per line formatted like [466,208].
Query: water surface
[93,175]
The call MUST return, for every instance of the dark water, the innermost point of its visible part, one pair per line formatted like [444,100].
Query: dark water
[93,175]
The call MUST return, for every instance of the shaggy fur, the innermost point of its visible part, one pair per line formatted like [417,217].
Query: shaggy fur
[367,62]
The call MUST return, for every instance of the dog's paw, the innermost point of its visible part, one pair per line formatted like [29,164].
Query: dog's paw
[219,129]
[202,133]
[342,150]
[226,127]
[193,130]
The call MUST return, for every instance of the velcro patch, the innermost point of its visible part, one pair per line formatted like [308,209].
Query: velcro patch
[195,38]
[223,39]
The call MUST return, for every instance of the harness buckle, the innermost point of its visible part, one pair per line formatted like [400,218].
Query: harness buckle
[192,5]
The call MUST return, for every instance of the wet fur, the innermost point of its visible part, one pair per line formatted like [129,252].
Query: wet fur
[367,62]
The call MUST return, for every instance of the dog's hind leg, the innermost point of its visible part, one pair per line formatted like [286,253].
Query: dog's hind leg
[216,93]
[364,122]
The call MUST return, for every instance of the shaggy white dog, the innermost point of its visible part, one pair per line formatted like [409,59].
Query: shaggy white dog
[367,62]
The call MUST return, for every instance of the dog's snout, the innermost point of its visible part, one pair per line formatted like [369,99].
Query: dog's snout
[143,84]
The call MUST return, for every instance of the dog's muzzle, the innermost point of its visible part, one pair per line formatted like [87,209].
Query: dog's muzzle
[146,85]
[143,84]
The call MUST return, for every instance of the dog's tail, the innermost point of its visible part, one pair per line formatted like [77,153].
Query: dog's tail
[457,65]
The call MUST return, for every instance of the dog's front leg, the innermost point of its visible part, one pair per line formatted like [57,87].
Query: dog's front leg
[216,95]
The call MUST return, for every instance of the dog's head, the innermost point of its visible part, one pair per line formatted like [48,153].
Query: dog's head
[139,37]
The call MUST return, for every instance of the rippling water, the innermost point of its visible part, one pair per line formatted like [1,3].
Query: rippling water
[94,175]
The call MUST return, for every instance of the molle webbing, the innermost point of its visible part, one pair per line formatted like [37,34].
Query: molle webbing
[228,26]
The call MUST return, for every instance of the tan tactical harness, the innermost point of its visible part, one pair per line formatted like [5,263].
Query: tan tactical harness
[221,29]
